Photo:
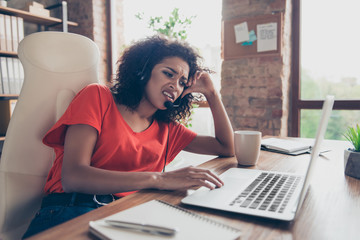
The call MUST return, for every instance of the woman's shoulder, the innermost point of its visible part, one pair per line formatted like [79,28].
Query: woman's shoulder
[176,126]
[94,92]
[96,88]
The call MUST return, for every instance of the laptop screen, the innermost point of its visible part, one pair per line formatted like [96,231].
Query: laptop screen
[326,111]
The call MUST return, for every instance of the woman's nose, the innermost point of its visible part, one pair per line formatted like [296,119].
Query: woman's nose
[176,86]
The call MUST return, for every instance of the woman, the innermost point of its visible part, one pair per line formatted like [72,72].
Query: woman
[113,141]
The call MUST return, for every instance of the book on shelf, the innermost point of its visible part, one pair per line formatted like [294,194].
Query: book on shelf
[2,33]
[142,222]
[11,32]
[12,75]
[21,74]
[14,33]
[4,75]
[17,80]
[20,30]
[8,36]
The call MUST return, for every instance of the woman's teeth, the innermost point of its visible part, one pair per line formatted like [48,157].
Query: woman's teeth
[168,95]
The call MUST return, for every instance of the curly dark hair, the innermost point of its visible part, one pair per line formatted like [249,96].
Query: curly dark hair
[134,72]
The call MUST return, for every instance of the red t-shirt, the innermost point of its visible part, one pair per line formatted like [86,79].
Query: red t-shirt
[118,147]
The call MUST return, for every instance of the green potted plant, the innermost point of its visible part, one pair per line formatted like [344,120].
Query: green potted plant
[352,155]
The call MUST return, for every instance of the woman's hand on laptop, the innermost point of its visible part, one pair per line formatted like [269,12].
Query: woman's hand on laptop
[188,177]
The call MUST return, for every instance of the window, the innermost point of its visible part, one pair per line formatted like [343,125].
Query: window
[204,33]
[325,52]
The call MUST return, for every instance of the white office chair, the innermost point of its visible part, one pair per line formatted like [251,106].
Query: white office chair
[56,65]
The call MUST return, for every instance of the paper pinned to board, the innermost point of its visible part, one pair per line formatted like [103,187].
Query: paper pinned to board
[267,37]
[241,32]
[252,38]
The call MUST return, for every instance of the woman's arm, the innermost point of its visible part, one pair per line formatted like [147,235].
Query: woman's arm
[79,176]
[223,143]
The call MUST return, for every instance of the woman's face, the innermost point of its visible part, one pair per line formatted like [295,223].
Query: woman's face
[167,82]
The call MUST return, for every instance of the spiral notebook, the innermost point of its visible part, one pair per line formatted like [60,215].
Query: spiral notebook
[188,225]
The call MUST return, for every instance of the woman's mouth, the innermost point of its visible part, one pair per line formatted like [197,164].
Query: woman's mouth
[169,96]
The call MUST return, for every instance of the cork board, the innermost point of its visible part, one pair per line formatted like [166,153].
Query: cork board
[233,50]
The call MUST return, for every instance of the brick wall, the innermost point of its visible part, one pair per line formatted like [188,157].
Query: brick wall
[255,90]
[93,23]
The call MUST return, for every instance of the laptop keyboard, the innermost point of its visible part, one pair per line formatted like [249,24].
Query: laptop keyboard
[268,192]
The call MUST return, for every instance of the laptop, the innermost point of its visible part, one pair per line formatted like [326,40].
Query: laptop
[269,194]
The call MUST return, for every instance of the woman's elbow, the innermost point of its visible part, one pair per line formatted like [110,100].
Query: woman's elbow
[228,151]
[229,154]
[66,186]
[68,183]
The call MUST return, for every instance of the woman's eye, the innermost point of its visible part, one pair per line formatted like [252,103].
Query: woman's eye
[170,75]
[183,83]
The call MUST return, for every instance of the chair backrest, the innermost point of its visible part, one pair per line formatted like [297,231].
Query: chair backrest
[56,66]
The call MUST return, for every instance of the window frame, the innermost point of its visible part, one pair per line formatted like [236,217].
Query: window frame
[297,104]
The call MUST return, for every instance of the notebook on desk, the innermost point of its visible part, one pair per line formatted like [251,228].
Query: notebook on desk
[270,194]
[186,224]
[285,146]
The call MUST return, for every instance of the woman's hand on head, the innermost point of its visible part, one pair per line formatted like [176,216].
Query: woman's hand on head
[201,82]
[188,177]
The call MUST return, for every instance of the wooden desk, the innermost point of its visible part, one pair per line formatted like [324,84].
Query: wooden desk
[331,209]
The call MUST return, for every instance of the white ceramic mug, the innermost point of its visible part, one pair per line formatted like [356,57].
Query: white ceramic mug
[247,147]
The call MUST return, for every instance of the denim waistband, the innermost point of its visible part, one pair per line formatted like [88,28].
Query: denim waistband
[77,199]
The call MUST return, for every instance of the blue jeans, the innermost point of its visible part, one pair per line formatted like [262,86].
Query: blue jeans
[57,208]
[51,216]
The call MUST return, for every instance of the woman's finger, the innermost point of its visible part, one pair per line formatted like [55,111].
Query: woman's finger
[204,174]
[203,183]
[208,178]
